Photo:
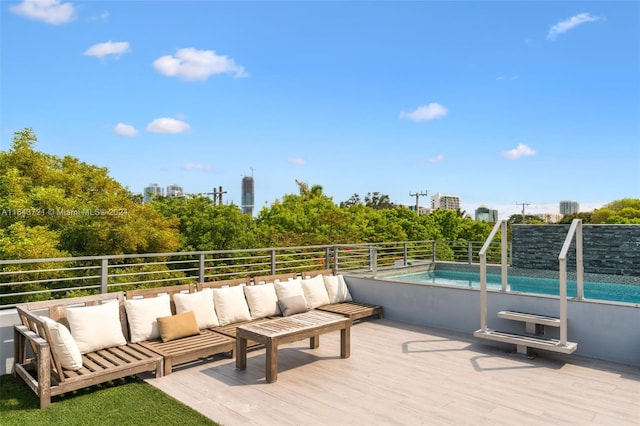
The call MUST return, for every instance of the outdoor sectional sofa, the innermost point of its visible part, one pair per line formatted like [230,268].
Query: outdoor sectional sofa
[154,329]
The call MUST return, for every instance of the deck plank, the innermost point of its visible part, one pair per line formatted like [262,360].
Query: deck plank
[401,374]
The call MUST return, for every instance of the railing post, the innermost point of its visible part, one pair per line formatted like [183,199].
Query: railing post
[433,251]
[373,260]
[104,275]
[201,269]
[503,256]
[335,259]
[327,258]
[469,252]
[483,292]
[405,254]
[579,264]
[563,301]
[273,261]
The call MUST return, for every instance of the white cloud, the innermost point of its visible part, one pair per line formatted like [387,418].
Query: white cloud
[193,166]
[192,64]
[104,16]
[521,150]
[50,11]
[167,125]
[436,159]
[298,161]
[567,24]
[124,130]
[101,50]
[425,113]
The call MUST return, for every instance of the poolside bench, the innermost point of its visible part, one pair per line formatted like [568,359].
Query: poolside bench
[183,349]
[38,359]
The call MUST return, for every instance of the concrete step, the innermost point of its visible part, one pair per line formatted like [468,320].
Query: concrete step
[530,318]
[526,341]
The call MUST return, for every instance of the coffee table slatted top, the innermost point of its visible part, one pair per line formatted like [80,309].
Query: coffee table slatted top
[294,324]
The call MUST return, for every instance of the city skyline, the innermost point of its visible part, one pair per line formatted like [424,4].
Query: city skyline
[499,103]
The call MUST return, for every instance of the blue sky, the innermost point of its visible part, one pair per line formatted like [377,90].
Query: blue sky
[496,102]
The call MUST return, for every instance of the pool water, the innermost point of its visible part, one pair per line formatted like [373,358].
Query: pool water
[592,290]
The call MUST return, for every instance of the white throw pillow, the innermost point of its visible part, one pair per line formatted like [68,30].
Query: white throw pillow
[337,289]
[65,346]
[201,303]
[231,305]
[96,327]
[315,292]
[262,300]
[142,316]
[289,288]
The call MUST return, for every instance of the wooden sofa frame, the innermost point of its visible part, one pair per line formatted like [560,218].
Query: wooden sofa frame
[41,369]
[184,349]
[354,310]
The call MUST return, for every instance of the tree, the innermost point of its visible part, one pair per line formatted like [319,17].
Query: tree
[378,201]
[203,226]
[354,200]
[90,212]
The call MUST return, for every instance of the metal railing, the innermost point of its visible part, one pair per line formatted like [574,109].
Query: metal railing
[39,279]
[574,230]
[483,268]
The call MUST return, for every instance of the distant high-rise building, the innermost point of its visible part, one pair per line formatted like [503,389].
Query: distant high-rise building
[485,214]
[248,196]
[174,191]
[445,202]
[151,191]
[569,207]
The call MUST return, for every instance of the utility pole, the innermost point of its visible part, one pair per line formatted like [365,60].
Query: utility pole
[217,195]
[523,206]
[418,195]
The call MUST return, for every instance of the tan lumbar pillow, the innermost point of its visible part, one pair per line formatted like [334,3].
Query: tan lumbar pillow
[177,326]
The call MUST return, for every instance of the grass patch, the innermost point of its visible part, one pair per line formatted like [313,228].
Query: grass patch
[128,401]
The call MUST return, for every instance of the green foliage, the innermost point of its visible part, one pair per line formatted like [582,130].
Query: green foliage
[624,211]
[90,212]
[122,402]
[203,226]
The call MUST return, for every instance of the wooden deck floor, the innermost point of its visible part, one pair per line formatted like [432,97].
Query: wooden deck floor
[408,375]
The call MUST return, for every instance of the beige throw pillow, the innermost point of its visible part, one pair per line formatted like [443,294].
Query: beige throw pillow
[176,326]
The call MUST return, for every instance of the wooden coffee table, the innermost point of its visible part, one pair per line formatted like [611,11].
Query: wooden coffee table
[291,329]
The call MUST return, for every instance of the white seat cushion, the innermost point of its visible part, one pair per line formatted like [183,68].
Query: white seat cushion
[315,292]
[96,327]
[142,316]
[201,303]
[262,300]
[65,345]
[231,305]
[337,289]
[289,288]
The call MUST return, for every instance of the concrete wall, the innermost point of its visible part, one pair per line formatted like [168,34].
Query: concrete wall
[608,331]
[607,249]
[8,318]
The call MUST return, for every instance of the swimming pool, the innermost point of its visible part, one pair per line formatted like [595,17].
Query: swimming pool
[629,293]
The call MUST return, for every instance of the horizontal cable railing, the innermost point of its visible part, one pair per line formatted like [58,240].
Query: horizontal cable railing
[40,279]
